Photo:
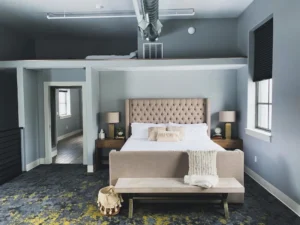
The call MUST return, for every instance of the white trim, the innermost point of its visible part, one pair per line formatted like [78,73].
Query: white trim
[65,117]
[90,168]
[32,165]
[260,134]
[48,148]
[64,136]
[132,65]
[286,200]
[54,153]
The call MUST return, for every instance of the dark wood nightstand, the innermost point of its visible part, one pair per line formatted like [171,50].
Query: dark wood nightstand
[229,144]
[106,143]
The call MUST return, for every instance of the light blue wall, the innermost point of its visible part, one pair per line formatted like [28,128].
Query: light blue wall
[213,38]
[31,134]
[74,122]
[218,86]
[278,162]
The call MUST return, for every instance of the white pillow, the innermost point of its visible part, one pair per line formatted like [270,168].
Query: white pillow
[193,131]
[140,130]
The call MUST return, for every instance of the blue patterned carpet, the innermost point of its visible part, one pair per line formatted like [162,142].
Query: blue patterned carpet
[65,194]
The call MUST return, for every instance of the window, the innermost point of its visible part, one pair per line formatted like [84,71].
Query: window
[264,105]
[64,102]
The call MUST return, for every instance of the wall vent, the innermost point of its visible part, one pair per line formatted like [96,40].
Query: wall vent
[153,50]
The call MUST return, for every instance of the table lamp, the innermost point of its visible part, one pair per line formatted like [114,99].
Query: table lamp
[227,117]
[111,119]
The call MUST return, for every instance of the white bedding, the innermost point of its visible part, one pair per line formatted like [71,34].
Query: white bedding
[145,145]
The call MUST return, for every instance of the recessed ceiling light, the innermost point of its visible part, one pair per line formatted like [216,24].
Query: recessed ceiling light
[191,30]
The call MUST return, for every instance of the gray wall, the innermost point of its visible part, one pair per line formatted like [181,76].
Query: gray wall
[218,86]
[80,48]
[278,161]
[53,75]
[31,130]
[213,38]
[15,45]
[73,123]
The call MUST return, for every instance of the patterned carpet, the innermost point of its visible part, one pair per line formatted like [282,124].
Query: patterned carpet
[65,194]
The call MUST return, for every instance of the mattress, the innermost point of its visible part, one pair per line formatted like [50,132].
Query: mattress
[203,144]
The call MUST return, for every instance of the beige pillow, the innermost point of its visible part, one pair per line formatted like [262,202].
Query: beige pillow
[179,129]
[168,136]
[152,132]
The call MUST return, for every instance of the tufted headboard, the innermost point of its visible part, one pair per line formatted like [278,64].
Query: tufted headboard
[184,110]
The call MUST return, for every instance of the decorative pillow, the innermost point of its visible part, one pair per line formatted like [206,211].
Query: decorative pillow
[202,163]
[193,131]
[181,131]
[168,136]
[152,132]
[140,130]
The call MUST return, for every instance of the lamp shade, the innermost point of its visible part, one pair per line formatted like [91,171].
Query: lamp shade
[227,116]
[112,117]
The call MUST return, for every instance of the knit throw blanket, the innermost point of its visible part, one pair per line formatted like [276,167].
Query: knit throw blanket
[202,169]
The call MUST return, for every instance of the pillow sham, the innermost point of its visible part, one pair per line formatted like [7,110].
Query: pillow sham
[180,130]
[167,136]
[140,130]
[193,131]
[152,132]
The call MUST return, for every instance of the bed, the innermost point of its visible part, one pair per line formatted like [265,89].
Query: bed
[141,159]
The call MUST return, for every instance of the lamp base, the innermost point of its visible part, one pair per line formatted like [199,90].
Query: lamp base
[111,131]
[228,130]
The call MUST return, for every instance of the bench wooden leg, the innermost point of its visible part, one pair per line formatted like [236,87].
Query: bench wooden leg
[130,213]
[225,205]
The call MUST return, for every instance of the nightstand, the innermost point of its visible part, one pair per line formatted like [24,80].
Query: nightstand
[106,143]
[229,144]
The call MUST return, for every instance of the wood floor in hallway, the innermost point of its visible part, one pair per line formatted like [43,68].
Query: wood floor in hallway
[69,151]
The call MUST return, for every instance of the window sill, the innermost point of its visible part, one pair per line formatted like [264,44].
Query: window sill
[259,134]
[65,117]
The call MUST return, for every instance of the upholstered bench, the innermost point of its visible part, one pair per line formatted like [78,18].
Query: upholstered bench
[138,186]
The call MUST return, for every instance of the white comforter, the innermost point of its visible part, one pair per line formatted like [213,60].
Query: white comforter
[145,145]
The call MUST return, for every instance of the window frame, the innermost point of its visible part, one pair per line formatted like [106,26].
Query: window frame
[269,103]
[67,103]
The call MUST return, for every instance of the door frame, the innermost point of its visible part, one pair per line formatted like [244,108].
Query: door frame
[47,117]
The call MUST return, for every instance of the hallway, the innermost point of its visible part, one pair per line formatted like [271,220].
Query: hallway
[69,151]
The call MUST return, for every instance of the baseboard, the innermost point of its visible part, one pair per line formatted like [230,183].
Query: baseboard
[54,153]
[90,168]
[34,164]
[286,200]
[69,135]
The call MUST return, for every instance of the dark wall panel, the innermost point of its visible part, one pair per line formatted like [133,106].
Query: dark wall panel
[8,100]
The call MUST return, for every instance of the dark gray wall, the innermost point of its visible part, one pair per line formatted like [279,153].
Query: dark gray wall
[8,100]
[278,161]
[73,123]
[218,86]
[80,48]
[15,45]
[213,38]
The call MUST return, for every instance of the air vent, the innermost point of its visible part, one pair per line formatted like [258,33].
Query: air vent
[153,50]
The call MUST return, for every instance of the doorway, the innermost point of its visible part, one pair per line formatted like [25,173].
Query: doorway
[66,121]
[65,115]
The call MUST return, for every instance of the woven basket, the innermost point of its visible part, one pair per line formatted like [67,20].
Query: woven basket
[109,202]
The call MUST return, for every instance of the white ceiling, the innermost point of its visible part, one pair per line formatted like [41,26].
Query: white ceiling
[30,15]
